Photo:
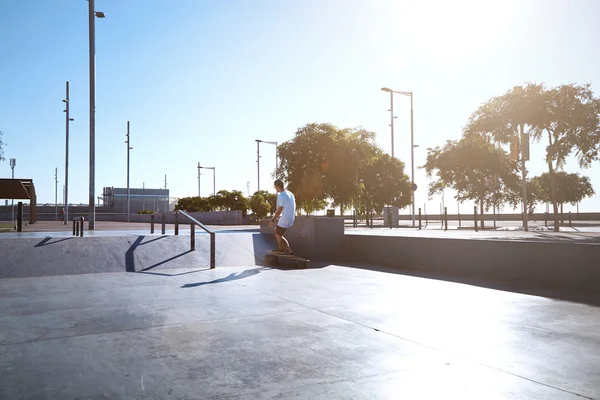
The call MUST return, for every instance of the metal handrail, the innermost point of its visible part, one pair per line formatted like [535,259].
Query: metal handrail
[193,236]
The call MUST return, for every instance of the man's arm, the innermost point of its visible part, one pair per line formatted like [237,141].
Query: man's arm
[277,215]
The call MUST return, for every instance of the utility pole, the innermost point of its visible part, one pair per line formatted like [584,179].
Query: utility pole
[13,164]
[258,164]
[67,120]
[166,196]
[524,157]
[128,149]
[198,178]
[143,195]
[56,194]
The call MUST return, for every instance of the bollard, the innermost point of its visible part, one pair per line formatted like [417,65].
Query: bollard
[163,229]
[74,223]
[176,223]
[192,237]
[446,218]
[546,219]
[570,220]
[152,223]
[212,251]
[475,217]
[20,216]
[76,227]
[459,223]
[419,218]
[81,227]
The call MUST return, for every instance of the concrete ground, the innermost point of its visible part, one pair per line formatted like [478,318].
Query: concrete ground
[328,332]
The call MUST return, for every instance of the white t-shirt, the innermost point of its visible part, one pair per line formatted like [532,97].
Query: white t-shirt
[286,200]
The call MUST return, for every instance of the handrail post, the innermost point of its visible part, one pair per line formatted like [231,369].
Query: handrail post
[81,227]
[163,229]
[419,218]
[212,250]
[152,223]
[176,222]
[192,237]
[74,223]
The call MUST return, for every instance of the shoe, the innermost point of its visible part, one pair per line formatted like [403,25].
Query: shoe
[288,252]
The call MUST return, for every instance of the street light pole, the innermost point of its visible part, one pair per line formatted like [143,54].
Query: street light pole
[56,194]
[166,196]
[67,120]
[412,157]
[258,142]
[214,177]
[258,164]
[13,164]
[92,61]
[412,143]
[198,178]
[128,149]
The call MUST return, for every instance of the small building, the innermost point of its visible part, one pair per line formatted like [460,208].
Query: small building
[156,200]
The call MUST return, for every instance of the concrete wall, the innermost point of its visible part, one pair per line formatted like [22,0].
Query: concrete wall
[522,264]
[314,238]
[208,218]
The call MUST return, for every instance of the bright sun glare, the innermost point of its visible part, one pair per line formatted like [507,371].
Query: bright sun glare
[448,30]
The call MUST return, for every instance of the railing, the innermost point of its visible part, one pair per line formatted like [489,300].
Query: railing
[193,223]
[78,226]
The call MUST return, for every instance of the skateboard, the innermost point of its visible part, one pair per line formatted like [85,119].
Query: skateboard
[272,258]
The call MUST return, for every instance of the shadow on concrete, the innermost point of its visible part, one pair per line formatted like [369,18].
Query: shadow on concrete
[229,278]
[46,241]
[513,287]
[130,256]
[166,261]
[181,273]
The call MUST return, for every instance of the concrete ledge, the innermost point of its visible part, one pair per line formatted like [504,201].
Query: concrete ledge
[314,238]
[560,266]
[66,256]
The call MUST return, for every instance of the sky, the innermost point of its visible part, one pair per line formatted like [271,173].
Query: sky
[200,81]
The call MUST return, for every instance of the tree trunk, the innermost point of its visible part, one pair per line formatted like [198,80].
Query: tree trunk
[553,189]
[342,209]
[481,214]
[562,215]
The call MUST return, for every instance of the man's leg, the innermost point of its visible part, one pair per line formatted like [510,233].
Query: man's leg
[281,241]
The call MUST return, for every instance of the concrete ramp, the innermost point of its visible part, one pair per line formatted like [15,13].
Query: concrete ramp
[67,256]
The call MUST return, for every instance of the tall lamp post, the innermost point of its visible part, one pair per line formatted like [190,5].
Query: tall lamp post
[56,194]
[66,186]
[92,36]
[13,164]
[128,149]
[214,177]
[198,178]
[258,142]
[412,142]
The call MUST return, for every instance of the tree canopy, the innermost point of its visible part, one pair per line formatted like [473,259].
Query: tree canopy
[568,115]
[474,167]
[323,163]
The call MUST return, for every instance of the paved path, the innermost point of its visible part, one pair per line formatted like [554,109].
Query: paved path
[330,332]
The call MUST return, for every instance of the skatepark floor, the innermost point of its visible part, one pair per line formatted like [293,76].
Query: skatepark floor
[326,332]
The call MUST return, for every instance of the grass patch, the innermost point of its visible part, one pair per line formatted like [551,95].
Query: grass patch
[6,225]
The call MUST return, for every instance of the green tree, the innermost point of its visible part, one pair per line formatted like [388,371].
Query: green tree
[226,200]
[569,188]
[567,115]
[194,204]
[259,205]
[270,198]
[323,162]
[475,168]
[385,183]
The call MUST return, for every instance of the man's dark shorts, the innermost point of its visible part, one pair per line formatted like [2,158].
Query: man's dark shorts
[279,230]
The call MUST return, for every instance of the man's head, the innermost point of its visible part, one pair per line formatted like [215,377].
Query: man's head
[279,185]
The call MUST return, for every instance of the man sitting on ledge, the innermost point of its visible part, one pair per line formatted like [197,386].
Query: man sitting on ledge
[284,217]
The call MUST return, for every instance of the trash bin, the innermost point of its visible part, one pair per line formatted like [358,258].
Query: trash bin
[331,213]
